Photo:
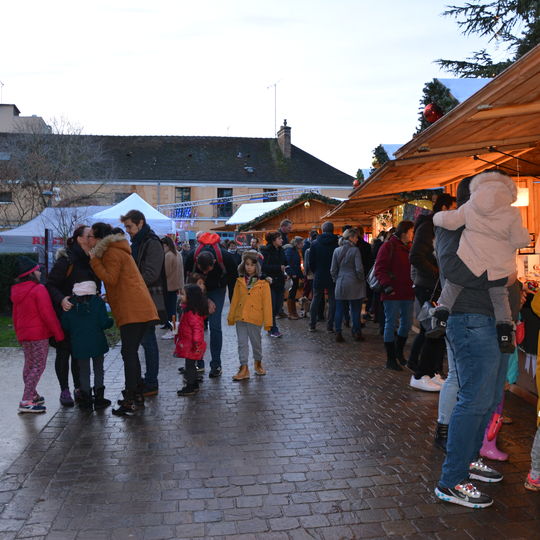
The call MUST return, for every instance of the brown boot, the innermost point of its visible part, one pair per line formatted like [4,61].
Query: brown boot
[259,370]
[243,373]
[291,308]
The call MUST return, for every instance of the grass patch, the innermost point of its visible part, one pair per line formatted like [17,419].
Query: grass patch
[7,333]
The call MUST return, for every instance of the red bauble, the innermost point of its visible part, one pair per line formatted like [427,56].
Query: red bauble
[432,112]
[356,183]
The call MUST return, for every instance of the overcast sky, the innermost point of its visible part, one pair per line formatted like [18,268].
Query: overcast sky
[349,73]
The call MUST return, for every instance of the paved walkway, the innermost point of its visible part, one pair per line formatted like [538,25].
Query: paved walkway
[328,445]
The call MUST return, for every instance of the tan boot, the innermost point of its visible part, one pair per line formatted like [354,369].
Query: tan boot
[243,373]
[291,308]
[259,370]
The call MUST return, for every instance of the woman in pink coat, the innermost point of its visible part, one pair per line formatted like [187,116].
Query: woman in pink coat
[35,322]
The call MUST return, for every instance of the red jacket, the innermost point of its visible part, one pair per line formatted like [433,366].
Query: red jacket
[393,269]
[190,338]
[33,314]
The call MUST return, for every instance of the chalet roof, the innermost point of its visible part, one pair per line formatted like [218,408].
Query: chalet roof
[498,123]
[243,160]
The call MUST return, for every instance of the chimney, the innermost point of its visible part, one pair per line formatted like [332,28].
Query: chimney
[284,140]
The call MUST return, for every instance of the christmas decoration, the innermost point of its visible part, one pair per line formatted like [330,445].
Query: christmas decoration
[435,92]
[307,204]
[356,183]
[432,112]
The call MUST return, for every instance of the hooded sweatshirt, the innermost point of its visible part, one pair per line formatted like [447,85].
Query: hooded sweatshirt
[34,318]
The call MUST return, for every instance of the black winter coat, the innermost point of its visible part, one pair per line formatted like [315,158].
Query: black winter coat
[425,270]
[274,259]
[320,260]
[216,278]
[72,266]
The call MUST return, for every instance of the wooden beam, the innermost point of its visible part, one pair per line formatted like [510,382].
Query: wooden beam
[509,110]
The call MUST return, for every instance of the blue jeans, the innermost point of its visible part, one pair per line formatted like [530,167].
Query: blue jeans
[151,356]
[392,310]
[481,372]
[341,307]
[449,390]
[214,324]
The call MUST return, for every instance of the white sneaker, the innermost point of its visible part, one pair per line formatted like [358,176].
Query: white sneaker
[168,335]
[437,379]
[425,384]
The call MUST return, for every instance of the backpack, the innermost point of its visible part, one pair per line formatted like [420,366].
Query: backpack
[210,239]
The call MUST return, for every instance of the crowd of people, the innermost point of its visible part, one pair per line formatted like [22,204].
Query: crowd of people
[448,258]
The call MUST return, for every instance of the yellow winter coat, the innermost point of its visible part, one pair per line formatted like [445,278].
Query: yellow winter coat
[535,305]
[253,306]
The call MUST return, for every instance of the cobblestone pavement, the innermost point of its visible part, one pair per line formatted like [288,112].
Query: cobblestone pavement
[328,445]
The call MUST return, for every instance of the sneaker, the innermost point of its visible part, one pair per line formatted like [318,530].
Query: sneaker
[150,391]
[168,335]
[478,470]
[424,383]
[532,483]
[39,400]
[275,334]
[188,390]
[215,373]
[200,369]
[65,398]
[312,329]
[31,407]
[464,494]
[437,379]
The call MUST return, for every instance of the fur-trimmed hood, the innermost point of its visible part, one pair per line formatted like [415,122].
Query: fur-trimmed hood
[118,241]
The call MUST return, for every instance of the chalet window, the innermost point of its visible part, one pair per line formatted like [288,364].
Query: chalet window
[119,197]
[270,195]
[224,208]
[6,196]
[182,194]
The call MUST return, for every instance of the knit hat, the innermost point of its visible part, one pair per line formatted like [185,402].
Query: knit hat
[85,288]
[253,256]
[25,266]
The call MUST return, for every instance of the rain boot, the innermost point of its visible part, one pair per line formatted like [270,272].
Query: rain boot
[400,345]
[391,362]
[489,445]
[99,399]
[441,436]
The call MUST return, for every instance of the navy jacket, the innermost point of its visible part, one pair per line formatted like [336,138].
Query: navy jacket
[320,260]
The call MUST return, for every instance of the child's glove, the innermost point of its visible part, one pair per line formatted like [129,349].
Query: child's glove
[532,286]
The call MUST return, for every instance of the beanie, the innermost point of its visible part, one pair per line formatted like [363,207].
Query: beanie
[25,266]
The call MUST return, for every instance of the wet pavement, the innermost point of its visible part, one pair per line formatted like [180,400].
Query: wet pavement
[328,445]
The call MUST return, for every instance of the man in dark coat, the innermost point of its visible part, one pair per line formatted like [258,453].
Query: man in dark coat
[285,228]
[320,261]
[148,253]
[216,276]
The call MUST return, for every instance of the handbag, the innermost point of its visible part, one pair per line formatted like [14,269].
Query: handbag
[426,311]
[372,280]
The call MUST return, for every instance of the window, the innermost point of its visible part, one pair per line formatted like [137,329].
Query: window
[120,196]
[270,195]
[6,196]
[224,208]
[182,194]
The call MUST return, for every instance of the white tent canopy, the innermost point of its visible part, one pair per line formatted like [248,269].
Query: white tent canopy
[247,212]
[160,223]
[60,220]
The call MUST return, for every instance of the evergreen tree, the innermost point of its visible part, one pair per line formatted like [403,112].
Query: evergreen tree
[380,157]
[360,175]
[514,23]
[435,92]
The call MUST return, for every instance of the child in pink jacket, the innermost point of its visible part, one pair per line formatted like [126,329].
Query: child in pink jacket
[493,231]
[35,322]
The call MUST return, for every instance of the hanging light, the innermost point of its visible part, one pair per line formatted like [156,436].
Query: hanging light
[522,197]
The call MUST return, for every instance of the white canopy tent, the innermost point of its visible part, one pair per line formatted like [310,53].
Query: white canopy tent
[160,223]
[247,212]
[60,220]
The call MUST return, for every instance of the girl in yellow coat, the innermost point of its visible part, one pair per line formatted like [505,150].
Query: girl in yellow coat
[251,309]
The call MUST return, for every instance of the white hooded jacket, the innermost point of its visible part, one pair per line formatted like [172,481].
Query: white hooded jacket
[493,228]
